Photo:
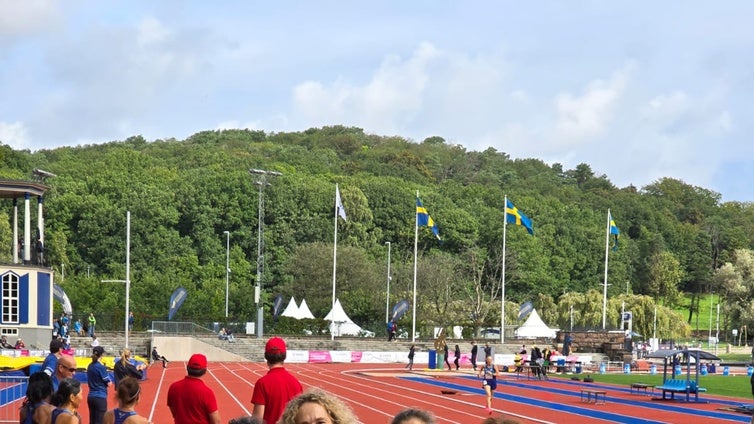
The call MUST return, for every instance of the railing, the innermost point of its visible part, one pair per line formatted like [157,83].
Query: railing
[168,328]
[12,393]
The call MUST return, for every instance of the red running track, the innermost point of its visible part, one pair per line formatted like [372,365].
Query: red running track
[376,392]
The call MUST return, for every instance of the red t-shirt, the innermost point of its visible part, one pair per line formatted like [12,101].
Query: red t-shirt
[274,390]
[191,401]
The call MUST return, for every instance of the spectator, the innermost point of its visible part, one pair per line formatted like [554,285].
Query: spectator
[4,343]
[77,328]
[500,420]
[64,368]
[411,352]
[125,368]
[275,389]
[245,420]
[36,407]
[473,354]
[51,361]
[20,344]
[130,321]
[128,396]
[317,406]
[191,400]
[457,356]
[157,357]
[95,342]
[98,380]
[67,400]
[92,324]
[413,416]
[487,350]
[229,336]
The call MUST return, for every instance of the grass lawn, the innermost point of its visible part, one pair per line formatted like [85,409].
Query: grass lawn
[736,386]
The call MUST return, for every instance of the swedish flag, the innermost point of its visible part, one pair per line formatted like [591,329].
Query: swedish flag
[516,217]
[424,220]
[613,230]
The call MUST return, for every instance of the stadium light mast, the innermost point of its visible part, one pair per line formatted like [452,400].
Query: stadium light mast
[261,179]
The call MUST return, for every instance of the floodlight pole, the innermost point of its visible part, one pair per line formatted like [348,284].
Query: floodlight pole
[387,297]
[227,270]
[261,180]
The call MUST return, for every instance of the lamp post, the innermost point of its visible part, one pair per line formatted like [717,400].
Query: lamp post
[227,270]
[387,298]
[261,181]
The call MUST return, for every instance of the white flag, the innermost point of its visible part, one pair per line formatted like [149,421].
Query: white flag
[339,204]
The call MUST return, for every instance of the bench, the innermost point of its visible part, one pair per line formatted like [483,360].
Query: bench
[592,394]
[641,386]
[679,386]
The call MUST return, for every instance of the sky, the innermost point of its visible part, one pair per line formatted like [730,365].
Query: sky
[638,90]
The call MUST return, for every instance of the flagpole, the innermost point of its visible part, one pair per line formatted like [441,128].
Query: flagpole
[604,292]
[416,244]
[502,281]
[334,265]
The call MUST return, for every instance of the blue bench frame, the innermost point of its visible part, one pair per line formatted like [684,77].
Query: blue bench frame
[679,386]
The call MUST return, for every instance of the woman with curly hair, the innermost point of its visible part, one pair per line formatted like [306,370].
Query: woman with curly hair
[317,406]
[36,407]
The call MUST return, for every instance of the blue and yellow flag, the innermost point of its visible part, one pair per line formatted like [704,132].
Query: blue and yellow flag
[424,220]
[515,216]
[613,230]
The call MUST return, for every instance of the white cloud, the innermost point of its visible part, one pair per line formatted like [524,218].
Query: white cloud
[15,135]
[28,16]
[151,31]
[392,97]
[584,117]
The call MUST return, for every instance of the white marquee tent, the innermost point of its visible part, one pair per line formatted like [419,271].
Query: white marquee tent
[341,324]
[304,311]
[291,310]
[534,328]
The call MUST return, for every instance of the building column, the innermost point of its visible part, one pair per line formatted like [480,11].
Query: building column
[16,245]
[27,229]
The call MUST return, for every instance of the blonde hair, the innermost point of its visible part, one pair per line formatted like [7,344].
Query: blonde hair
[124,354]
[338,411]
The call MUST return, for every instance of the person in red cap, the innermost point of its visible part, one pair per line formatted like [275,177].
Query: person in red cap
[190,400]
[273,391]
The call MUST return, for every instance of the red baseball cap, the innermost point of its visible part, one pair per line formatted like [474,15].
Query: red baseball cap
[275,345]
[197,361]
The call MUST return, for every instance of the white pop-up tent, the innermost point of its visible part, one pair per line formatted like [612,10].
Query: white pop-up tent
[340,323]
[534,328]
[291,310]
[304,311]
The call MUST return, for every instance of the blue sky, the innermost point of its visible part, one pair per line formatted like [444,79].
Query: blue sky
[638,90]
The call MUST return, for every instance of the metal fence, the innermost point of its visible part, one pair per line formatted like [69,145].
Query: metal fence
[179,328]
[12,394]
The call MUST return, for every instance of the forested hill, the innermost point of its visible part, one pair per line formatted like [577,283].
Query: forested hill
[183,195]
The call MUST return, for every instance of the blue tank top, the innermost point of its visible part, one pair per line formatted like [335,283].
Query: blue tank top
[121,416]
[57,411]
[30,412]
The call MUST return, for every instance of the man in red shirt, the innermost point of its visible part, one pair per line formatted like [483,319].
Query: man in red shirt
[190,400]
[273,391]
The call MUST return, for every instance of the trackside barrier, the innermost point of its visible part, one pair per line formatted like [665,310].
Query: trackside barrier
[12,393]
